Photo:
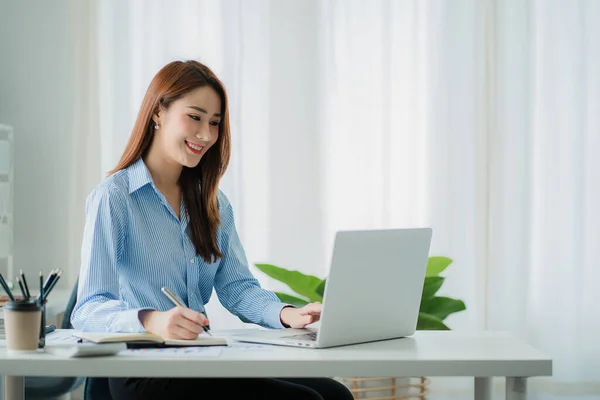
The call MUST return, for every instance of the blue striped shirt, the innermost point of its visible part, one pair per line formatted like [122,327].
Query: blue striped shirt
[134,244]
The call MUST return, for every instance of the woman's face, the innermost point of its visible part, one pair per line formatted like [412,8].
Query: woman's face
[189,127]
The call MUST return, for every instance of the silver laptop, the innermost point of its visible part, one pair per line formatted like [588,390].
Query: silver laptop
[373,291]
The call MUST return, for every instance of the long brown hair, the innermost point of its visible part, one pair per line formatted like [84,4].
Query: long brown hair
[170,83]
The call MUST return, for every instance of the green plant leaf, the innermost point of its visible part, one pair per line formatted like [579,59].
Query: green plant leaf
[441,307]
[431,285]
[289,299]
[435,265]
[302,284]
[428,322]
[321,288]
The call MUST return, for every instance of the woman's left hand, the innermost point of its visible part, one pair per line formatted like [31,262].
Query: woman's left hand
[300,317]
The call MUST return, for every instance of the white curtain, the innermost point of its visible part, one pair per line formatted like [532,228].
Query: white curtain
[478,118]
[561,315]
[405,101]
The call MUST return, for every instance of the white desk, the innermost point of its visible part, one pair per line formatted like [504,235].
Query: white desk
[481,355]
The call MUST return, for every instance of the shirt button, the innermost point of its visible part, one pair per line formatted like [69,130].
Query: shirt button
[192,261]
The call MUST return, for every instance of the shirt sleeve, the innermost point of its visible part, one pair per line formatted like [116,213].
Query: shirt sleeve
[237,289]
[99,307]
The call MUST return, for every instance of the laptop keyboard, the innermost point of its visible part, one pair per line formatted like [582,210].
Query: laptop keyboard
[311,336]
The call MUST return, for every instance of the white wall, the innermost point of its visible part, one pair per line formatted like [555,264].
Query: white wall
[36,96]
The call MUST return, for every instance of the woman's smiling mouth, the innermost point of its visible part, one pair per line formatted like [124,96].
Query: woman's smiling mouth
[194,148]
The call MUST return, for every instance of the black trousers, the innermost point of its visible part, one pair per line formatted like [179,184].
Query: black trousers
[228,388]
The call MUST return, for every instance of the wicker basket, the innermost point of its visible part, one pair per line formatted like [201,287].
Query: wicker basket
[387,388]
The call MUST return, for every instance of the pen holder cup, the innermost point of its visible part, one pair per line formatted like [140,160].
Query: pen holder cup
[22,321]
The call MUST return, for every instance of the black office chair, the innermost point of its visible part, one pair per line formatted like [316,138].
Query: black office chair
[46,388]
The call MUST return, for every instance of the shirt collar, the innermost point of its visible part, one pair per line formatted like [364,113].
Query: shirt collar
[138,175]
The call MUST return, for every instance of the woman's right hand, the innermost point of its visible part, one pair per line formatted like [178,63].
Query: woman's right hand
[176,323]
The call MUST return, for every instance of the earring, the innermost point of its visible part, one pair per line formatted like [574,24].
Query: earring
[156,126]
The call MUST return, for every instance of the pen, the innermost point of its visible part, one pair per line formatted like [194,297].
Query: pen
[177,301]
[50,329]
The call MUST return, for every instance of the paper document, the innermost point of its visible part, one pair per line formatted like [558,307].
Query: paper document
[61,336]
[249,346]
[173,352]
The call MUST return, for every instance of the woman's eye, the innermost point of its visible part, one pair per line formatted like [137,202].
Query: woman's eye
[195,117]
[215,123]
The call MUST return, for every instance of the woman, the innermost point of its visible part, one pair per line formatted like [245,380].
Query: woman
[158,220]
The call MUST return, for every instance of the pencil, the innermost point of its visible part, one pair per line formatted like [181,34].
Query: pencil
[41,296]
[6,288]
[22,288]
[28,295]
[49,279]
[52,284]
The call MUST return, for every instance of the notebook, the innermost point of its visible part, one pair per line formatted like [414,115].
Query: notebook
[149,339]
